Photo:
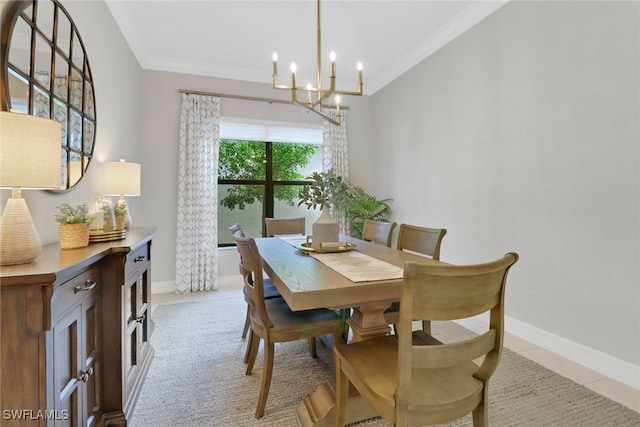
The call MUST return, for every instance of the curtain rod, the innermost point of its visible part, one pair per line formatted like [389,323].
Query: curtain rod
[246,98]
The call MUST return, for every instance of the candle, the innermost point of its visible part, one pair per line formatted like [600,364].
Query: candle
[294,67]
[332,57]
[275,65]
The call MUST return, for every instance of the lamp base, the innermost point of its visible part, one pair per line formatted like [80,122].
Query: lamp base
[19,241]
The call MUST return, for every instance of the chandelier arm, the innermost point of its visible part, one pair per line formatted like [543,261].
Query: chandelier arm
[318,52]
[318,113]
[346,92]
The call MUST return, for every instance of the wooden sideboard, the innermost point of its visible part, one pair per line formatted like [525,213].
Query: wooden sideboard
[74,333]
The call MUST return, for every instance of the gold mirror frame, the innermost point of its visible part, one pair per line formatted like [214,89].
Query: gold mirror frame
[44,71]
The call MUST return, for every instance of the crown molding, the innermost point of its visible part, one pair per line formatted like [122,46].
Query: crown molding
[463,21]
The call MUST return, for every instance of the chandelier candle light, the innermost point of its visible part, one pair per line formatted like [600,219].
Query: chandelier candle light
[317,97]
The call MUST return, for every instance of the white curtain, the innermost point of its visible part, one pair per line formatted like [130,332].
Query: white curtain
[197,234]
[335,155]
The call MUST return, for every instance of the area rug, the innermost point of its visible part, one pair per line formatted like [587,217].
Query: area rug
[197,378]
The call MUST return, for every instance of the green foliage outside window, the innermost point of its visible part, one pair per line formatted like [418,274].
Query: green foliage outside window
[246,160]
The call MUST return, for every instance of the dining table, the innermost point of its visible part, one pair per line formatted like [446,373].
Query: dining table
[362,276]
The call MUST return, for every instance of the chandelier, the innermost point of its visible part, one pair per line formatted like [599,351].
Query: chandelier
[317,98]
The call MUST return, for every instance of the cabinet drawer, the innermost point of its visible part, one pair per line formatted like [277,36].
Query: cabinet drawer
[136,260]
[75,290]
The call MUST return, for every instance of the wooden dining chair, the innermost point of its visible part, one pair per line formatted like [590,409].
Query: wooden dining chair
[270,290]
[284,226]
[420,240]
[413,378]
[273,321]
[378,232]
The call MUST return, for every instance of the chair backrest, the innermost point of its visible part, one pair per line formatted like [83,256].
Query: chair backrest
[284,226]
[235,228]
[251,270]
[447,292]
[422,240]
[378,232]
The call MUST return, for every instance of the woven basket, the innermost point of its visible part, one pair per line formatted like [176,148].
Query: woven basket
[73,235]
[121,222]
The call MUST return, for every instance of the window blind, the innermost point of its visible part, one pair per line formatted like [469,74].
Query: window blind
[272,131]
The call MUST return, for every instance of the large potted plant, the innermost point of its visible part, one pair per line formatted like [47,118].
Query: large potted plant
[363,206]
[327,190]
[73,227]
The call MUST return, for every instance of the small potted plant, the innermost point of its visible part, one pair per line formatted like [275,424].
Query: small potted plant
[120,212]
[326,190]
[109,216]
[73,227]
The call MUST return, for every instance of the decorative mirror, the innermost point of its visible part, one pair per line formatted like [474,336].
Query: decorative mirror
[44,71]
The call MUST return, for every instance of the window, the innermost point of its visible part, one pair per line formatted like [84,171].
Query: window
[261,178]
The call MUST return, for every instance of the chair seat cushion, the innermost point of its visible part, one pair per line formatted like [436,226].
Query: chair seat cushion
[270,290]
[307,322]
[376,361]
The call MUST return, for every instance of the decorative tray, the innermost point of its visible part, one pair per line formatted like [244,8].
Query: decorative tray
[106,236]
[329,248]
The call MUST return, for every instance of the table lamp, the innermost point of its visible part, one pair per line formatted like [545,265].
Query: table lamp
[121,179]
[29,159]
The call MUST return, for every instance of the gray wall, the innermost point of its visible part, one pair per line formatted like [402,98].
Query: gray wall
[522,135]
[160,122]
[116,75]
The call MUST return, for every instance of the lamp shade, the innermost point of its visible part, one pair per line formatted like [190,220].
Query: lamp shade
[29,151]
[121,179]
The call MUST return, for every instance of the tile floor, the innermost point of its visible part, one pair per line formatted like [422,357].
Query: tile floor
[597,382]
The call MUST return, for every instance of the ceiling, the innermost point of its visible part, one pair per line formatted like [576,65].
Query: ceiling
[235,39]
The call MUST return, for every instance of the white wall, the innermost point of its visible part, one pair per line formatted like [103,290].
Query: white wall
[116,74]
[523,135]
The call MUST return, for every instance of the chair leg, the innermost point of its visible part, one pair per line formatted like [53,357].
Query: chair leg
[266,378]
[342,393]
[247,352]
[337,338]
[247,323]
[481,413]
[426,326]
[312,347]
[345,313]
[253,353]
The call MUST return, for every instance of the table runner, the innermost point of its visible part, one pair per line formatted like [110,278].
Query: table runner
[359,267]
[355,266]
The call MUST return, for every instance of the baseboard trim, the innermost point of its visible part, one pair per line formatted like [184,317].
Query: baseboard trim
[607,365]
[224,282]
[163,287]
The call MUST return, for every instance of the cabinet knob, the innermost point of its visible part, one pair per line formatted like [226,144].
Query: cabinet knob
[88,285]
[139,258]
[84,375]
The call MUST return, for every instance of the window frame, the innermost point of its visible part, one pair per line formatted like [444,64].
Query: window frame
[268,205]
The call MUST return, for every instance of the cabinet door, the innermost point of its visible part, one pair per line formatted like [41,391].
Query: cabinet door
[130,360]
[91,375]
[137,330]
[77,369]
[67,368]
[144,313]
